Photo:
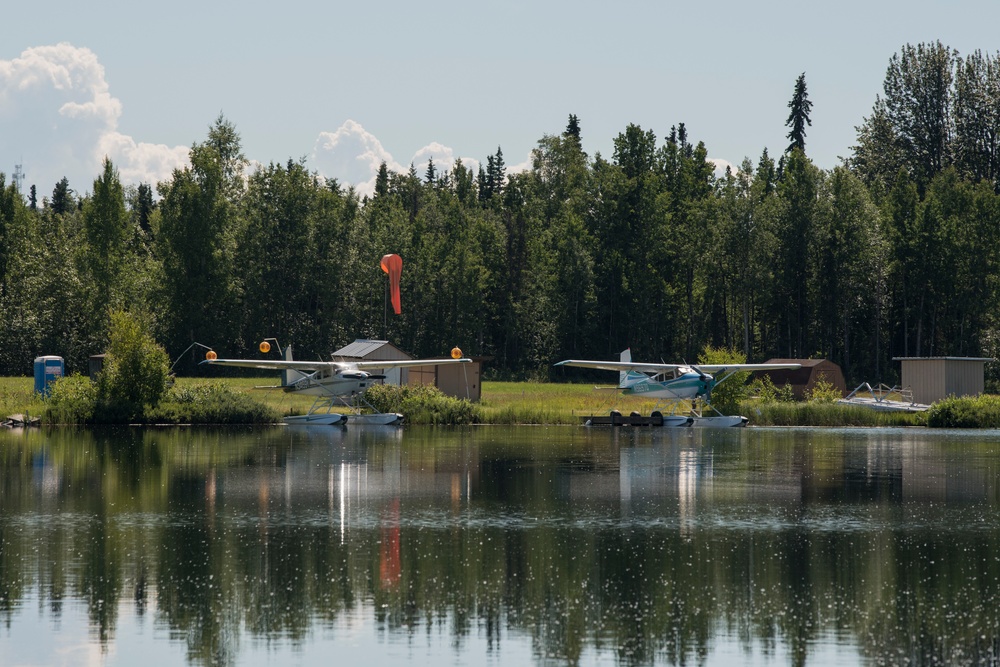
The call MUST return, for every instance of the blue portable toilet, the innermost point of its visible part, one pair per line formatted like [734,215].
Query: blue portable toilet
[48,369]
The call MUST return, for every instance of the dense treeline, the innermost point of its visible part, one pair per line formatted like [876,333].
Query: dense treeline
[892,253]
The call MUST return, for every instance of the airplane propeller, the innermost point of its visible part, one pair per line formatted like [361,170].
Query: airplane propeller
[707,381]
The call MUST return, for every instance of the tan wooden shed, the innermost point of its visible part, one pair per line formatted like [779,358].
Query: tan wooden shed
[458,380]
[934,378]
[805,377]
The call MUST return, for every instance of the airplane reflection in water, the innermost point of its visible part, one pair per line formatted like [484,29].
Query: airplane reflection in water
[357,473]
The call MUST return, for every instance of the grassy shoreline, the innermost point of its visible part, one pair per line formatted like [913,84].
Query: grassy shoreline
[511,403]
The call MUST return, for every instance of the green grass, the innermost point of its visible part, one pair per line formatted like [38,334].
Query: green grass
[825,414]
[552,403]
[17,396]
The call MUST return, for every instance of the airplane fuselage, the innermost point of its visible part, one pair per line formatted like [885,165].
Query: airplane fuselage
[686,386]
[323,383]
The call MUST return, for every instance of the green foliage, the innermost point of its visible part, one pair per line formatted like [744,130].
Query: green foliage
[798,115]
[422,404]
[135,371]
[825,414]
[765,391]
[210,403]
[726,396]
[577,257]
[823,391]
[72,400]
[965,412]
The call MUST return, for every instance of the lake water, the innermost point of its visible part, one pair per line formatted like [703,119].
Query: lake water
[499,546]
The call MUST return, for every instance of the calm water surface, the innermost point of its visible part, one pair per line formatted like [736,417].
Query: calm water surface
[497,546]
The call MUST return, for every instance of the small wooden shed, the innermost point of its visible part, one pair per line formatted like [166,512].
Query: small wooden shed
[934,378]
[805,377]
[458,380]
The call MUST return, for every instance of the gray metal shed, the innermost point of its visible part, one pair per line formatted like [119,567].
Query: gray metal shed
[934,378]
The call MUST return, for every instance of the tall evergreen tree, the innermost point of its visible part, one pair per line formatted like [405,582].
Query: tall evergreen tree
[105,221]
[573,127]
[143,207]
[798,115]
[62,198]
[382,180]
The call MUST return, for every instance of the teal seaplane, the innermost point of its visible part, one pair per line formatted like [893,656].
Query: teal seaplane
[678,387]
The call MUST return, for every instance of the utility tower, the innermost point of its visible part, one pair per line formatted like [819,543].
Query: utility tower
[18,177]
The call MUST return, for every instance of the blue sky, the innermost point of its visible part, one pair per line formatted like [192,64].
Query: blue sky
[347,85]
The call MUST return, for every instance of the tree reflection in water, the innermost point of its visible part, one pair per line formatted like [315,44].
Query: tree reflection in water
[562,544]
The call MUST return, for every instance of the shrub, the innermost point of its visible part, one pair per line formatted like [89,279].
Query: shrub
[823,392]
[727,395]
[965,412]
[765,390]
[72,400]
[421,404]
[210,404]
[135,371]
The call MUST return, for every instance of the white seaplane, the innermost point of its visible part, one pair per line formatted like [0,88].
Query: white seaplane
[334,383]
[678,386]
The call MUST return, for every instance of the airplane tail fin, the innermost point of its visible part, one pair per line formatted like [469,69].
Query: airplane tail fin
[289,376]
[628,378]
[626,355]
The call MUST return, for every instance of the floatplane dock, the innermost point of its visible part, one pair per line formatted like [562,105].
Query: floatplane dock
[659,419]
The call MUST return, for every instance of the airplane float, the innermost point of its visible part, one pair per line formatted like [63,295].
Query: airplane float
[333,383]
[678,386]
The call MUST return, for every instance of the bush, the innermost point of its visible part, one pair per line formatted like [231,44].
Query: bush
[766,392]
[823,392]
[726,396]
[135,373]
[966,412]
[210,404]
[421,404]
[72,400]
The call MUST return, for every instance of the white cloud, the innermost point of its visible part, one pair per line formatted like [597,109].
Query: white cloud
[66,118]
[722,165]
[58,103]
[353,155]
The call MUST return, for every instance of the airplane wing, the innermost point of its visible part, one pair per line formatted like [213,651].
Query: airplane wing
[722,368]
[401,363]
[275,365]
[621,365]
[282,365]
[662,368]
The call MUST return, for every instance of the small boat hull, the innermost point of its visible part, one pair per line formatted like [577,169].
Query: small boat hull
[316,419]
[376,419]
[720,421]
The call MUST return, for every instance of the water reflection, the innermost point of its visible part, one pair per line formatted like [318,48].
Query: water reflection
[499,545]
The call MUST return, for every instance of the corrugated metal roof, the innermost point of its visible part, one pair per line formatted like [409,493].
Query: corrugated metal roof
[983,359]
[360,348]
[371,350]
[805,363]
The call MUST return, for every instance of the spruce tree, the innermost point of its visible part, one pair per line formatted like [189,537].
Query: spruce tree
[62,197]
[573,127]
[382,180]
[798,117]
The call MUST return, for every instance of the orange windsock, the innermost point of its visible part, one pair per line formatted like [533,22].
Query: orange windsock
[393,265]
